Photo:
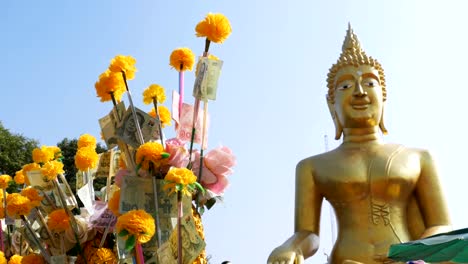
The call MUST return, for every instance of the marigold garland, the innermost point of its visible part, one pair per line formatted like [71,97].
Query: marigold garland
[19,177]
[86,158]
[121,63]
[215,27]
[17,205]
[182,59]
[15,259]
[58,221]
[154,91]
[51,169]
[114,203]
[136,223]
[4,180]
[164,115]
[110,82]
[150,152]
[33,259]
[33,195]
[86,140]
[43,154]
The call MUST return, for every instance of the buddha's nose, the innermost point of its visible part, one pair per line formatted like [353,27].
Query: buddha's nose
[358,90]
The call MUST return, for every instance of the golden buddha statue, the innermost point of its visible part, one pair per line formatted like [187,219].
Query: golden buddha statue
[382,193]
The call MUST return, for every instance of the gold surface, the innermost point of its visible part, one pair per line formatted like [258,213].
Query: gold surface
[382,194]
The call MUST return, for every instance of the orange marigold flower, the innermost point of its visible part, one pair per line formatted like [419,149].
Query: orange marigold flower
[33,195]
[2,215]
[164,115]
[15,259]
[114,203]
[86,158]
[43,155]
[154,91]
[122,164]
[137,223]
[182,59]
[33,259]
[180,176]
[103,256]
[58,221]
[51,169]
[110,82]
[4,180]
[2,258]
[17,205]
[150,152]
[19,177]
[215,27]
[86,140]
[121,63]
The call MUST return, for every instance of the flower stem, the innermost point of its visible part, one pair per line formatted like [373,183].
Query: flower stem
[181,89]
[156,206]
[36,240]
[156,110]
[180,213]
[113,99]
[207,47]
[194,123]
[132,107]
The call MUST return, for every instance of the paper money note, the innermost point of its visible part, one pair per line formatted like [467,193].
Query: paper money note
[128,132]
[102,216]
[36,179]
[192,243]
[166,254]
[206,83]
[109,125]
[184,129]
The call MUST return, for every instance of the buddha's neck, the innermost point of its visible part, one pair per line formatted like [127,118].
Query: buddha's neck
[368,135]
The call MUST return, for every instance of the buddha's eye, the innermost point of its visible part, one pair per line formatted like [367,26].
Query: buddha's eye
[369,82]
[344,85]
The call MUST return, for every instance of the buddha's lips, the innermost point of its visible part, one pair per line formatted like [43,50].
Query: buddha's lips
[360,106]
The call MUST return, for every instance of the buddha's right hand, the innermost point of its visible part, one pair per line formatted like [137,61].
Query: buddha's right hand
[285,255]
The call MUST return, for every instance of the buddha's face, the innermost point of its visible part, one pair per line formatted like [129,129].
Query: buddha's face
[358,97]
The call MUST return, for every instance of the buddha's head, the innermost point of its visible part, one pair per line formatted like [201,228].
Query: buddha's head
[356,88]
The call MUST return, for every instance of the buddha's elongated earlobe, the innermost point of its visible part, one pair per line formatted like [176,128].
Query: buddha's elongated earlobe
[381,123]
[336,121]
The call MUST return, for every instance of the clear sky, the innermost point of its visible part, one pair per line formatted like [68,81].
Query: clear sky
[270,109]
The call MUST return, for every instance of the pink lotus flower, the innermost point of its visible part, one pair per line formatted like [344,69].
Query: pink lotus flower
[179,156]
[217,165]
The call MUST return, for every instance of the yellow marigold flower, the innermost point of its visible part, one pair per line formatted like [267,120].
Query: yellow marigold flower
[15,259]
[103,256]
[122,164]
[19,177]
[51,169]
[86,140]
[33,195]
[121,63]
[164,115]
[154,91]
[114,203]
[56,150]
[150,152]
[33,259]
[86,158]
[2,258]
[43,155]
[4,180]
[58,221]
[182,59]
[110,82]
[178,179]
[137,223]
[215,27]
[17,205]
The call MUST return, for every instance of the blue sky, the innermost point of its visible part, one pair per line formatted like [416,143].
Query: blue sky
[270,107]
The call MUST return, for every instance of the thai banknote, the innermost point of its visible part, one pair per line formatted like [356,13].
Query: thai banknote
[206,82]
[109,125]
[192,243]
[127,129]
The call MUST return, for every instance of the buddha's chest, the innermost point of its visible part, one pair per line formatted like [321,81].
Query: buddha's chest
[388,175]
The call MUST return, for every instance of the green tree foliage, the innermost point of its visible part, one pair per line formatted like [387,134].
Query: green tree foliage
[15,151]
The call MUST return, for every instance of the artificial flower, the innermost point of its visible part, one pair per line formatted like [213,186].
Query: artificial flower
[2,258]
[17,205]
[57,152]
[126,64]
[178,154]
[33,259]
[19,177]
[150,153]
[86,140]
[215,27]
[15,259]
[164,115]
[86,158]
[110,83]
[4,180]
[182,59]
[181,180]
[114,203]
[33,195]
[217,165]
[51,169]
[137,223]
[58,221]
[154,91]
[43,154]
[103,256]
